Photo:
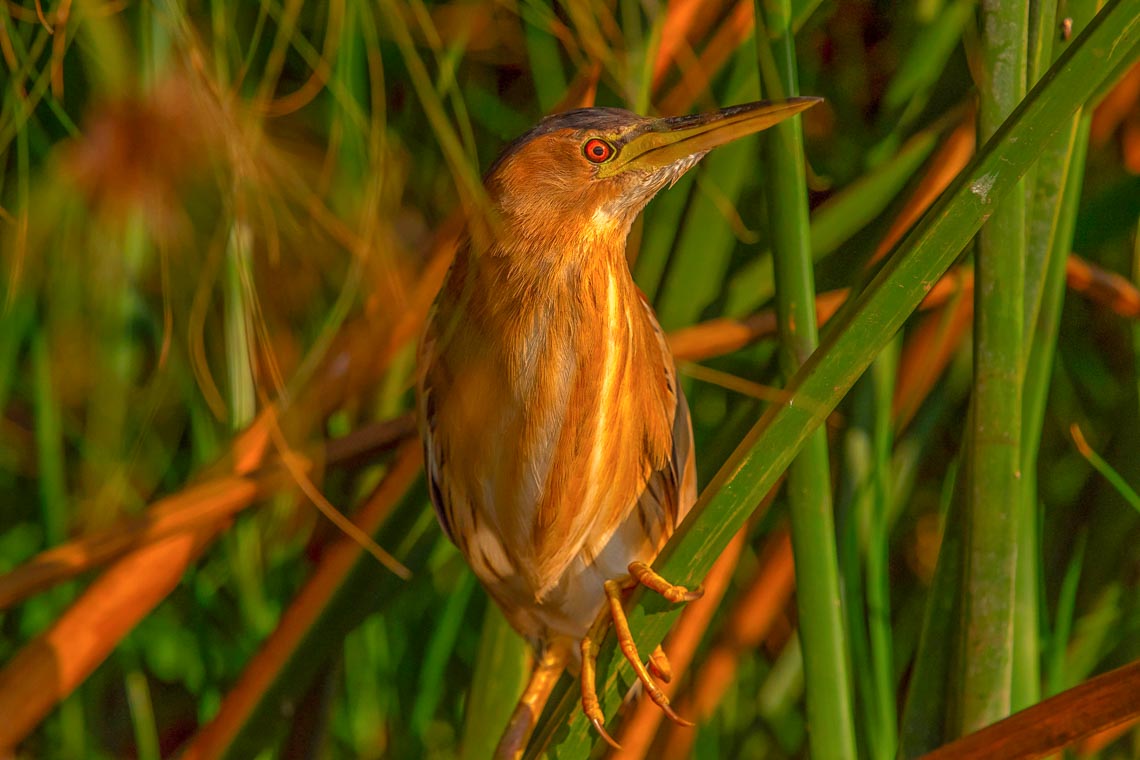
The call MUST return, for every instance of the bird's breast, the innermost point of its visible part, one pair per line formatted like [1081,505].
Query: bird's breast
[554,424]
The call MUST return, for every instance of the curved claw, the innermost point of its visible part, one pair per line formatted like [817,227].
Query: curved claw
[601,729]
[673,716]
[590,704]
[644,575]
[661,700]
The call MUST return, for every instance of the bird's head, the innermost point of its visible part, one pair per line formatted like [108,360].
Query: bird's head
[581,177]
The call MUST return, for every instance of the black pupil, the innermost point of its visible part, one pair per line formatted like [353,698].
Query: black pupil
[598,150]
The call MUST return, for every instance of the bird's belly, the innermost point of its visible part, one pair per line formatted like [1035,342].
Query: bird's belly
[554,518]
[571,604]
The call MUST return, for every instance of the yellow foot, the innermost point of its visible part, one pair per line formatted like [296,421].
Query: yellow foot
[648,577]
[641,574]
[534,697]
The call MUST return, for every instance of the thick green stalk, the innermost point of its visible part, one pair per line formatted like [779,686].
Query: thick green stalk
[994,498]
[849,345]
[1050,223]
[1043,275]
[831,729]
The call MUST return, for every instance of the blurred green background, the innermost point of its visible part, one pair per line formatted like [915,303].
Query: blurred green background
[221,227]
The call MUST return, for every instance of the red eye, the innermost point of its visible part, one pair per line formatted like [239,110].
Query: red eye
[597,151]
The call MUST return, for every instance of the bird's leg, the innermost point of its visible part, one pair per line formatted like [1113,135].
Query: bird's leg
[643,575]
[525,716]
[590,642]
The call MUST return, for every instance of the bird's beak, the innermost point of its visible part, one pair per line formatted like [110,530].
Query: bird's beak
[662,142]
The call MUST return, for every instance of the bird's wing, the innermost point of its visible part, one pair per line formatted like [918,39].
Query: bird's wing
[426,412]
[674,486]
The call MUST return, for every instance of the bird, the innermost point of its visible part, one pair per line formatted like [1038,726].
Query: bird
[557,440]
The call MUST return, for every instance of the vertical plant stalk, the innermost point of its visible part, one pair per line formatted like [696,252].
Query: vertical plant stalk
[995,489]
[239,329]
[827,680]
[1051,219]
[864,513]
[877,560]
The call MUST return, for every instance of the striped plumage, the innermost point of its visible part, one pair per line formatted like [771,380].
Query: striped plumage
[557,442]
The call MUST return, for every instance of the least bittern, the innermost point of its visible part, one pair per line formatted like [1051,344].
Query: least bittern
[557,441]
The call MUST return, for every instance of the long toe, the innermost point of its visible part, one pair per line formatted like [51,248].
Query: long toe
[659,665]
[629,649]
[590,705]
[650,578]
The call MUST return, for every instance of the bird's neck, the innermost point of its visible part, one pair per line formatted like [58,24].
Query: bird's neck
[528,270]
[559,309]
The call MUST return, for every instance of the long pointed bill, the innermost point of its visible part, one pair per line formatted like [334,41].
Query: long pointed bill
[664,141]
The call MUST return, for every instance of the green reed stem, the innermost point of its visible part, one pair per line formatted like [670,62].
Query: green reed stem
[865,553]
[877,560]
[994,500]
[831,729]
[1050,223]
